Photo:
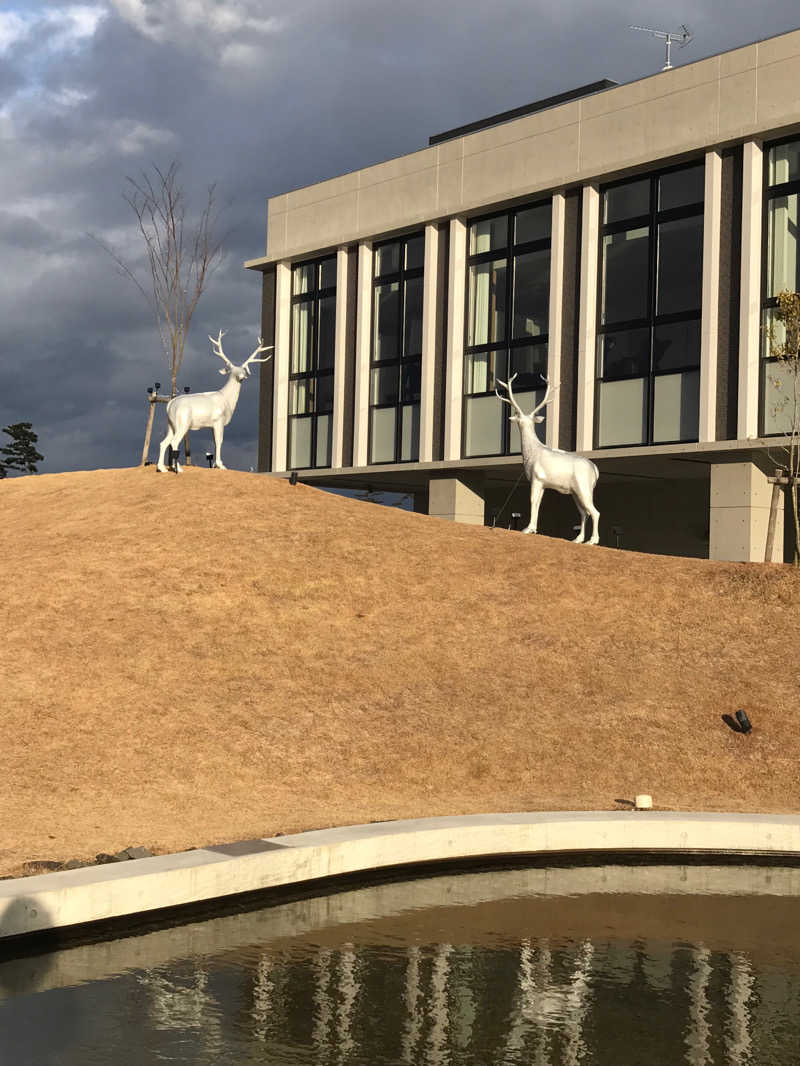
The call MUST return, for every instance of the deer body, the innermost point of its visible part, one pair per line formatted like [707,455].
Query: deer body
[551,468]
[204,410]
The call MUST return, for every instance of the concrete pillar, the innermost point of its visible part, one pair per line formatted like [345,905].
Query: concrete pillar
[429,298]
[363,349]
[456,499]
[280,416]
[739,514]
[709,339]
[454,382]
[587,323]
[556,313]
[750,300]
[339,359]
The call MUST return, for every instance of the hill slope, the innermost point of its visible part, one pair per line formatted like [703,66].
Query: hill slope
[215,656]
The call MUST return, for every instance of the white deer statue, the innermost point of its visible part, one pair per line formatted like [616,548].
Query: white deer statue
[550,468]
[201,410]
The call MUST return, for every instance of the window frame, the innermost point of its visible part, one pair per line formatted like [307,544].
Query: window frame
[315,294]
[768,303]
[651,219]
[510,252]
[402,275]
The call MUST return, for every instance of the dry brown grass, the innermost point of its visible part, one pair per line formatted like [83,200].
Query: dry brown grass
[215,656]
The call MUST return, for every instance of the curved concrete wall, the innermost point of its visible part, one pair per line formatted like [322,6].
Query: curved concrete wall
[98,893]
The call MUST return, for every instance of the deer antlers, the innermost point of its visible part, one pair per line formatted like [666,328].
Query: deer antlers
[217,345]
[513,403]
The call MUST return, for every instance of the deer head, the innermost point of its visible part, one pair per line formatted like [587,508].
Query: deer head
[519,415]
[239,373]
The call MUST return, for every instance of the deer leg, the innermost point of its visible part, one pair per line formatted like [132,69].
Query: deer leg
[219,429]
[582,512]
[537,491]
[169,439]
[595,537]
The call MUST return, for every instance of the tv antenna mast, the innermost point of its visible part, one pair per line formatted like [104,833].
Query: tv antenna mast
[681,39]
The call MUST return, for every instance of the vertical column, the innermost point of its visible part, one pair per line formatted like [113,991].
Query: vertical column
[750,300]
[457,499]
[339,359]
[587,323]
[454,382]
[739,514]
[709,325]
[429,299]
[555,315]
[363,346]
[280,421]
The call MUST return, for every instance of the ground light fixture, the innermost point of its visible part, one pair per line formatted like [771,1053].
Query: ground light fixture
[293,478]
[643,802]
[210,459]
[187,388]
[744,722]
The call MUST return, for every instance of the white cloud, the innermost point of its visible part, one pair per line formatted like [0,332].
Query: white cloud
[63,27]
[170,20]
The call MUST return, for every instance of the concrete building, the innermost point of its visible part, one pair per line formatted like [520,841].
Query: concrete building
[626,241]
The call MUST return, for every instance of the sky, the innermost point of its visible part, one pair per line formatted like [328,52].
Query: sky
[256,97]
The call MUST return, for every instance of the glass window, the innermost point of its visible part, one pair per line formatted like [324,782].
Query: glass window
[680,188]
[782,245]
[531,293]
[626,259]
[533,224]
[488,235]
[312,349]
[680,265]
[508,305]
[395,377]
[783,163]
[651,285]
[626,201]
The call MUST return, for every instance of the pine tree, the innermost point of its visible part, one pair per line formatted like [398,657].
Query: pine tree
[21,454]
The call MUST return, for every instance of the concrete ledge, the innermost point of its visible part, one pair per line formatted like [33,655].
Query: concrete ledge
[72,898]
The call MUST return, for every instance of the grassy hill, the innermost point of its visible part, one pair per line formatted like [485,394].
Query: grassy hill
[220,655]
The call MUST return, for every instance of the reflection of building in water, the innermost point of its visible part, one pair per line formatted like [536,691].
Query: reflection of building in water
[698,1028]
[737,1030]
[182,1002]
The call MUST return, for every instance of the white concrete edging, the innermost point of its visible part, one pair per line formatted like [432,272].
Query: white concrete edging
[99,893]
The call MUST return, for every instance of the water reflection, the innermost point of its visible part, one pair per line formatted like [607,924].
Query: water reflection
[532,978]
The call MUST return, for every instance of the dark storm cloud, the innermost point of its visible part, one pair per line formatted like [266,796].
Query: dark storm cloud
[260,98]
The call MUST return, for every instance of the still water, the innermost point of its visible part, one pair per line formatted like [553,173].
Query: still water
[607,966]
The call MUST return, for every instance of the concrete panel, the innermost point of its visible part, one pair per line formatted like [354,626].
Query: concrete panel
[587,323]
[322,191]
[525,166]
[454,374]
[457,500]
[709,342]
[60,900]
[737,104]
[739,514]
[554,119]
[429,321]
[397,202]
[322,224]
[777,94]
[681,121]
[739,60]
[613,140]
[555,315]
[276,233]
[450,192]
[775,49]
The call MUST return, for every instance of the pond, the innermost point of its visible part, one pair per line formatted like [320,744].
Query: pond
[597,965]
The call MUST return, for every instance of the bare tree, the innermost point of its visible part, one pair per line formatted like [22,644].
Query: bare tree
[180,258]
[782,387]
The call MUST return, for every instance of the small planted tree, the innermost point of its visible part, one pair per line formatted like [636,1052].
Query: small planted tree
[782,399]
[21,453]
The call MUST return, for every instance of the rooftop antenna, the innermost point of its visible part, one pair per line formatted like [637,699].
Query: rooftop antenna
[681,39]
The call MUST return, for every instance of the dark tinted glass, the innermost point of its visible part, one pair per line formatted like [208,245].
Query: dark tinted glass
[385,382]
[625,354]
[626,201]
[497,302]
[412,344]
[784,163]
[415,253]
[533,224]
[676,345]
[387,259]
[302,278]
[327,273]
[681,187]
[530,366]
[411,377]
[324,393]
[625,275]
[531,293]
[680,265]
[489,234]
[387,319]
[327,331]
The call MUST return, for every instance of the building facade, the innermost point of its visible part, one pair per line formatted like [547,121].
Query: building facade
[624,242]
